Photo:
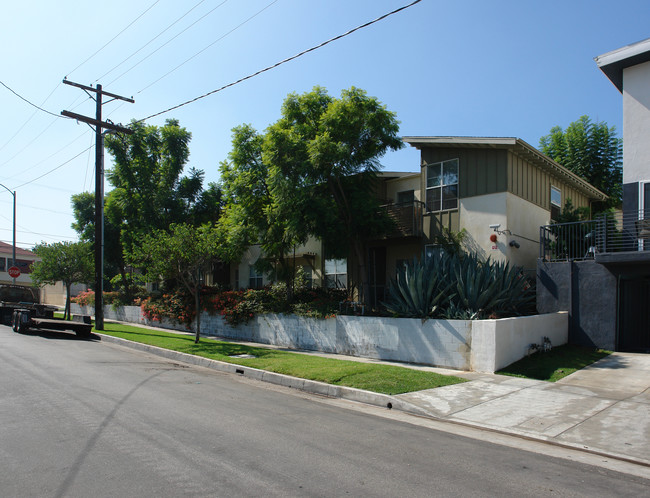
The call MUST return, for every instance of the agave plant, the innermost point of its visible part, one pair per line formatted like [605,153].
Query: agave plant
[491,288]
[420,288]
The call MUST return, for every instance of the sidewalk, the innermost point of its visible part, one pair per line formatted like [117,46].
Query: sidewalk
[603,409]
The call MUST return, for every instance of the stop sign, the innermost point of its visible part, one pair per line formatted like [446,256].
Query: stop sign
[14,272]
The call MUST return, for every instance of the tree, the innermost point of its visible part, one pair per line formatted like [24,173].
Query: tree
[149,187]
[70,262]
[591,151]
[250,213]
[181,253]
[323,163]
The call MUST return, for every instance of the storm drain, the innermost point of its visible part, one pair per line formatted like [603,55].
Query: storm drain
[243,356]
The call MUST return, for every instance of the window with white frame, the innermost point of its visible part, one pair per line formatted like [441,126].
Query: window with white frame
[442,186]
[256,278]
[307,274]
[556,202]
[336,273]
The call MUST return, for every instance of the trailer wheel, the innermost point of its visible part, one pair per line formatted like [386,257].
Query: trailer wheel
[23,326]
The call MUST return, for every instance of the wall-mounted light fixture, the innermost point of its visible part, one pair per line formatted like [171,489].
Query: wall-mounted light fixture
[515,244]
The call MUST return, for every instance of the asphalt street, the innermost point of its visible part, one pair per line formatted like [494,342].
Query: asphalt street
[86,418]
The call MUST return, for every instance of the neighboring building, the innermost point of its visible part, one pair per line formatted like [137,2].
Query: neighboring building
[607,294]
[499,190]
[24,260]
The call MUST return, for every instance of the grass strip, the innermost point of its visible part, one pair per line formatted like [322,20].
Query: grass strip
[554,364]
[384,379]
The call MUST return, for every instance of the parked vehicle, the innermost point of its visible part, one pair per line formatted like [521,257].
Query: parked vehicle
[19,307]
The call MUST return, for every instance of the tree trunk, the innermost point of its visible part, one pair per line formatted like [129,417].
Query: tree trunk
[364,288]
[66,311]
[197,307]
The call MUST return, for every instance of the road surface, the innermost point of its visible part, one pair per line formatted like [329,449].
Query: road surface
[86,418]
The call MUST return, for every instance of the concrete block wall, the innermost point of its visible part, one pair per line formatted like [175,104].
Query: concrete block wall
[480,345]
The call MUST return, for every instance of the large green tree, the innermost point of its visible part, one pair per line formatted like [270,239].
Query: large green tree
[149,185]
[591,151]
[323,156]
[70,262]
[181,253]
[150,193]
[250,213]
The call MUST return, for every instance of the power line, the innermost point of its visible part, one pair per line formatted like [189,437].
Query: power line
[30,118]
[150,41]
[30,103]
[52,170]
[268,68]
[112,39]
[167,42]
[204,49]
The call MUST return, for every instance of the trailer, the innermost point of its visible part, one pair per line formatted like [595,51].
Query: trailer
[22,320]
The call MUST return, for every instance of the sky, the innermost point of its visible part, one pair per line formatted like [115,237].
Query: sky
[503,68]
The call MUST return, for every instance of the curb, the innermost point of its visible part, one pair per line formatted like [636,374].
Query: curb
[348,393]
[311,386]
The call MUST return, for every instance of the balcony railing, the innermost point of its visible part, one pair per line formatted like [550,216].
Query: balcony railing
[407,217]
[627,232]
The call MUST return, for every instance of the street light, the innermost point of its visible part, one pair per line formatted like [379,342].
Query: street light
[13,263]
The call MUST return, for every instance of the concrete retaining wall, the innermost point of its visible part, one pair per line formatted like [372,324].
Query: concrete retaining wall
[479,345]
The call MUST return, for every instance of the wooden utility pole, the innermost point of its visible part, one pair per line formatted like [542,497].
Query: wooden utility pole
[99,185]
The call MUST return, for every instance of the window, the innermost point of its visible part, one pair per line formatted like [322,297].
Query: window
[433,251]
[256,278]
[307,275]
[406,197]
[442,186]
[336,273]
[2,264]
[556,202]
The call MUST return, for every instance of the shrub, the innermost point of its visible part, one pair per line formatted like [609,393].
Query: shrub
[452,287]
[85,298]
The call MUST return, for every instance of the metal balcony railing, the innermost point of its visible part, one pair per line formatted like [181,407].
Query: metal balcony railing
[619,232]
[408,218]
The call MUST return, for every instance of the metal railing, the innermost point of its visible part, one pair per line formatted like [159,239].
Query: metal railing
[618,232]
[408,218]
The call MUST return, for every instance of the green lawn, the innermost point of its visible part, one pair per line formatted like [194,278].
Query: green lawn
[555,364]
[385,379]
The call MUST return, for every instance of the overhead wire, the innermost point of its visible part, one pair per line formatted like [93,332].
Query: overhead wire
[150,41]
[210,45]
[30,118]
[167,42]
[52,170]
[31,103]
[113,39]
[284,61]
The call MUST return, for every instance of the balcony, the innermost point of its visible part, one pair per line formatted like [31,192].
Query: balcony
[610,238]
[407,217]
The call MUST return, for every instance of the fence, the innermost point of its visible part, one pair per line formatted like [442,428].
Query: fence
[627,231]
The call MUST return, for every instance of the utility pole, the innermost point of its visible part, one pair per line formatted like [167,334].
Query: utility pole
[13,262]
[99,184]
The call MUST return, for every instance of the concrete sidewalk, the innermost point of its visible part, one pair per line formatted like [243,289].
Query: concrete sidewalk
[603,409]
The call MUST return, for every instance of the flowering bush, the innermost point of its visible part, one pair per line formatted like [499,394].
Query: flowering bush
[177,307]
[85,298]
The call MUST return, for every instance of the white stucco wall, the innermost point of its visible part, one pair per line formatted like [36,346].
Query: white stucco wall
[480,345]
[476,215]
[520,217]
[636,123]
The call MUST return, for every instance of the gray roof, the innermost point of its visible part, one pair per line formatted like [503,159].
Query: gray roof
[517,146]
[612,63]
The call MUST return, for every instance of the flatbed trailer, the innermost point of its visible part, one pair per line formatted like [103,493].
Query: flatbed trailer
[23,320]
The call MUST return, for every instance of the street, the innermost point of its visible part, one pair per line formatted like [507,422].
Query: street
[86,418]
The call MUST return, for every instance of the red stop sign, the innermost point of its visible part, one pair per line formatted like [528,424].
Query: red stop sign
[14,272]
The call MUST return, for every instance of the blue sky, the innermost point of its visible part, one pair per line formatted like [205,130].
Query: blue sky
[471,68]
